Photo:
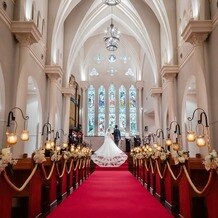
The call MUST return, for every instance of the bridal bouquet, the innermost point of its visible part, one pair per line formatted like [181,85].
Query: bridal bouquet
[211,161]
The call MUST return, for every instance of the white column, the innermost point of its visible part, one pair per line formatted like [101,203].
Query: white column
[169,74]
[156,92]
[196,32]
[139,86]
[54,73]
[84,86]
[26,33]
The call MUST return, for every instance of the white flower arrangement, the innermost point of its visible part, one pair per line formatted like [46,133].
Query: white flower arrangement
[139,156]
[211,161]
[66,155]
[55,156]
[6,159]
[164,155]
[39,156]
[180,156]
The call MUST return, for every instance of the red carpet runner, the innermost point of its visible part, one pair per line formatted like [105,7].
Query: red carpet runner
[110,194]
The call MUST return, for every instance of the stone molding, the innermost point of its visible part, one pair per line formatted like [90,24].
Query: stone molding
[196,31]
[169,71]
[84,85]
[54,72]
[68,91]
[26,32]
[139,84]
[155,91]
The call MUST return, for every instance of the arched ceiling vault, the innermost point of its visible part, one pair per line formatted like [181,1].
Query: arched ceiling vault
[126,16]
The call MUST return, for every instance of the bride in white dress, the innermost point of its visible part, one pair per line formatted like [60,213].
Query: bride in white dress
[109,155]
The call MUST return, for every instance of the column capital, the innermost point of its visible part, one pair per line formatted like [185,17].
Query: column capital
[26,32]
[139,84]
[68,91]
[169,71]
[54,72]
[155,91]
[196,31]
[84,85]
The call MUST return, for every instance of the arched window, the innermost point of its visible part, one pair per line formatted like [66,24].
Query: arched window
[122,109]
[38,19]
[112,106]
[101,111]
[91,111]
[132,110]
[43,26]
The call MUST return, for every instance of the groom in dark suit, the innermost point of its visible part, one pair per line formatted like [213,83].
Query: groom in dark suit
[117,135]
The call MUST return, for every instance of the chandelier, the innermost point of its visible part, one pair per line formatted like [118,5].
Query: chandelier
[112,37]
[111,2]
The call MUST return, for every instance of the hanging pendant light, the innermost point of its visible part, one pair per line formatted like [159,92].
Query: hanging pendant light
[111,2]
[112,37]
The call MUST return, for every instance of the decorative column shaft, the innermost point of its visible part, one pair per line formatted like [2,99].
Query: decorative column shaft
[26,33]
[169,74]
[156,92]
[139,86]
[84,86]
[68,92]
[54,73]
[196,32]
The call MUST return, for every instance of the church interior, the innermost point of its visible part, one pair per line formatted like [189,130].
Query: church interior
[72,69]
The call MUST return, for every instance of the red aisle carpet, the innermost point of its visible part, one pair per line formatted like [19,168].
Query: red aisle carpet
[110,194]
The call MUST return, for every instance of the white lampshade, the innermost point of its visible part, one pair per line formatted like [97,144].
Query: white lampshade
[168,142]
[191,136]
[12,138]
[200,141]
[24,135]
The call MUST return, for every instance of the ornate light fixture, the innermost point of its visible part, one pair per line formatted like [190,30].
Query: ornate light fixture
[174,143]
[49,144]
[203,138]
[12,136]
[111,2]
[57,136]
[112,37]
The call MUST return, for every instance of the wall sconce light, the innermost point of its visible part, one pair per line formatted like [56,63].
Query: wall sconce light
[202,138]
[171,142]
[12,136]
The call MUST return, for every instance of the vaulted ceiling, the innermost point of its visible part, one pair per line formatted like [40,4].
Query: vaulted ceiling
[144,26]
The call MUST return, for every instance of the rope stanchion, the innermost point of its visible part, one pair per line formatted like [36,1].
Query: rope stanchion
[152,168]
[192,184]
[61,175]
[158,170]
[77,164]
[80,163]
[71,165]
[25,183]
[84,163]
[51,171]
[171,172]
[146,165]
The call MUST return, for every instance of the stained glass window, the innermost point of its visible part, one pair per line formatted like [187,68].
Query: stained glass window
[101,111]
[122,109]
[132,110]
[112,106]
[91,111]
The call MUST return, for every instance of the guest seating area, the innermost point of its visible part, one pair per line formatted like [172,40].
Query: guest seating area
[187,190]
[33,189]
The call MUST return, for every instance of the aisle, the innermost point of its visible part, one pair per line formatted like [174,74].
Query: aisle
[110,194]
